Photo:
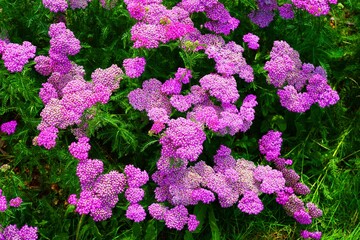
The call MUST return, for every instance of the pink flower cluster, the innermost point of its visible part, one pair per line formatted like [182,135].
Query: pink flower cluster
[251,40]
[15,56]
[56,5]
[229,179]
[314,7]
[134,67]
[134,194]
[286,71]
[62,44]
[99,192]
[287,197]
[224,119]
[24,233]
[229,60]
[67,96]
[8,127]
[15,202]
[74,4]
[156,23]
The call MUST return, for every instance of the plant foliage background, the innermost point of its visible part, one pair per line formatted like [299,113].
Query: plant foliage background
[323,142]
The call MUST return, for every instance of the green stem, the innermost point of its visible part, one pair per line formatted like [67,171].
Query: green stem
[79,226]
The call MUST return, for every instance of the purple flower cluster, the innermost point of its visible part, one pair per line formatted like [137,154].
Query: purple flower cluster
[270,145]
[67,96]
[223,89]
[176,217]
[229,60]
[159,24]
[287,73]
[134,194]
[134,67]
[310,235]
[224,119]
[15,202]
[264,15]
[182,139]
[228,179]
[286,11]
[151,99]
[56,5]
[80,149]
[252,41]
[156,23]
[220,19]
[8,127]
[15,56]
[24,233]
[108,4]
[289,185]
[314,7]
[62,44]
[99,192]
[74,4]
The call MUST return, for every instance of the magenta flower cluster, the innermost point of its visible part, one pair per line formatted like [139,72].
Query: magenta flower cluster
[62,5]
[63,43]
[99,192]
[251,40]
[24,233]
[229,179]
[229,60]
[14,202]
[8,127]
[56,5]
[134,67]
[291,76]
[134,193]
[11,231]
[157,24]
[15,56]
[287,197]
[67,96]
[316,8]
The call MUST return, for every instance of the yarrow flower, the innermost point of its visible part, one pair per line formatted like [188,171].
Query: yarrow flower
[316,8]
[56,5]
[310,235]
[15,56]
[134,67]
[26,232]
[287,73]
[9,127]
[135,212]
[80,149]
[182,139]
[270,145]
[286,11]
[251,40]
[74,4]
[15,202]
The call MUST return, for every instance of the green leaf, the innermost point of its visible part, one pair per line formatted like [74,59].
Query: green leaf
[215,232]
[151,233]
[200,213]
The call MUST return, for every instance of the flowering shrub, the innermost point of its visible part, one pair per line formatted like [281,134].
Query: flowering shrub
[152,114]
